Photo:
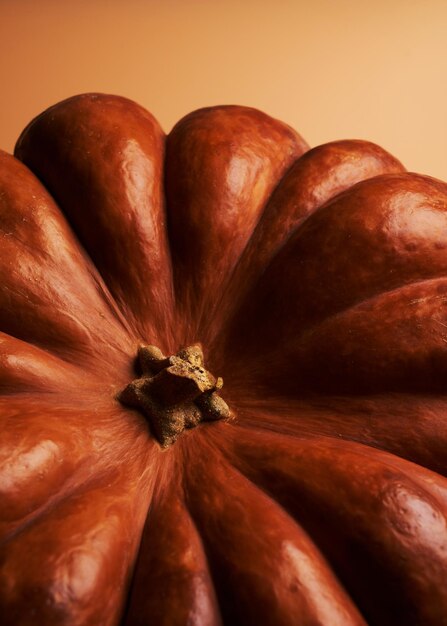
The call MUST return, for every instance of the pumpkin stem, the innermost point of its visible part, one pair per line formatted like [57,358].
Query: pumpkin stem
[174,392]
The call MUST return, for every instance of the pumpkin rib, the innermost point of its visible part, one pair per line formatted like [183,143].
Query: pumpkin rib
[409,426]
[79,481]
[49,454]
[26,367]
[402,513]
[49,293]
[221,166]
[314,179]
[35,471]
[131,483]
[85,546]
[380,234]
[264,565]
[110,152]
[395,341]
[392,341]
[172,558]
[231,289]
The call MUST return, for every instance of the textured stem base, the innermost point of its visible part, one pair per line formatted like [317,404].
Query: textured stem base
[174,392]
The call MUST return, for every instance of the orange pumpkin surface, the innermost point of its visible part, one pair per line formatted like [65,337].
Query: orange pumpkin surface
[315,282]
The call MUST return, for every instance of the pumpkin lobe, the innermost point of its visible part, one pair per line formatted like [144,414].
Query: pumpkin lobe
[174,392]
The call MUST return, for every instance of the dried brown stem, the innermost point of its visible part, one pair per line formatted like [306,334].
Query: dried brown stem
[174,392]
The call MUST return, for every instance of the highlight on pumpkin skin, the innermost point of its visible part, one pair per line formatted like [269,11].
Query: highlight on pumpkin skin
[222,164]
[378,236]
[84,548]
[351,498]
[36,461]
[50,293]
[101,157]
[409,425]
[172,558]
[314,178]
[392,342]
[268,573]
[23,367]
[70,513]
[52,443]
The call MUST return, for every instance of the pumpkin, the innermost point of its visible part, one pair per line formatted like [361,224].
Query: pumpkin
[138,275]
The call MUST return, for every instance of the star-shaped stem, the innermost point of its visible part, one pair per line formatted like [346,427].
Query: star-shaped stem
[174,392]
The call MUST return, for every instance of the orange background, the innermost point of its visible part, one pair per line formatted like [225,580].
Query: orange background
[332,69]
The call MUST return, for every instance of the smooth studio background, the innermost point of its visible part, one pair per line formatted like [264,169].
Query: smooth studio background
[332,69]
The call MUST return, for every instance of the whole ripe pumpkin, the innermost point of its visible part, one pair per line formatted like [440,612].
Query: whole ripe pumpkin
[311,489]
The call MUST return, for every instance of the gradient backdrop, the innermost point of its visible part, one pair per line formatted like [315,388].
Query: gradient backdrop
[332,69]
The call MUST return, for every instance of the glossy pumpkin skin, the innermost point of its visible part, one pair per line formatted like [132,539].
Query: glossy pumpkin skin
[315,281]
